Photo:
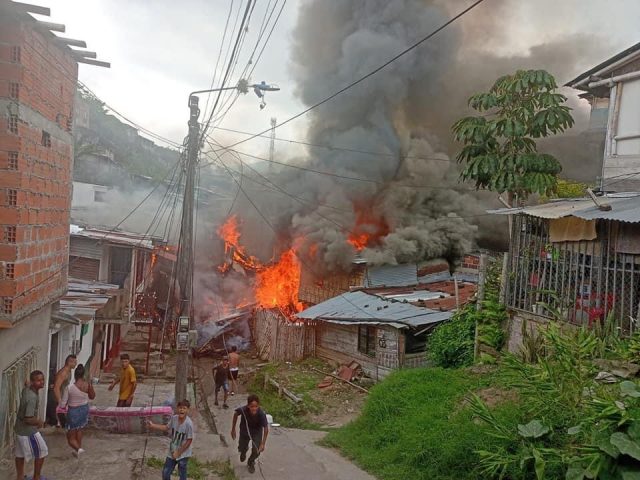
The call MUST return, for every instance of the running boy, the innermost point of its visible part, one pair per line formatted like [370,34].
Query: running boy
[254,428]
[221,377]
[29,441]
[180,429]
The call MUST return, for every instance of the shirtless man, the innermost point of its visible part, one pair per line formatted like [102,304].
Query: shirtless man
[234,367]
[63,378]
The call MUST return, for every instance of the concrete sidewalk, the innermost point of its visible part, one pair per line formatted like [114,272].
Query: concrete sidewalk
[290,454]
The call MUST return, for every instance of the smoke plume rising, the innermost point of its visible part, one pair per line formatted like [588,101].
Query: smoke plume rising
[408,204]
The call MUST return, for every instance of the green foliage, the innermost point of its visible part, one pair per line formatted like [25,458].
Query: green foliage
[500,152]
[415,425]
[570,189]
[451,344]
[133,153]
[577,428]
[283,411]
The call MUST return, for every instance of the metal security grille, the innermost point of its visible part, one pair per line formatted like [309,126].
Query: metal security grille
[13,379]
[581,282]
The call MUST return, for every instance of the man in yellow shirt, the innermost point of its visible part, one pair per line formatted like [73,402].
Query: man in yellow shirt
[127,381]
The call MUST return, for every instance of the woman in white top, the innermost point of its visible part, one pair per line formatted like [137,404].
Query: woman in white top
[76,398]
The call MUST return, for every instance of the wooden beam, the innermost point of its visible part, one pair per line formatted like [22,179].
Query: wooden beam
[5,324]
[341,379]
[55,27]
[84,53]
[37,9]
[73,42]
[97,63]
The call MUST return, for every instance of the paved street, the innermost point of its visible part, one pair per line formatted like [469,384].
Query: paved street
[291,454]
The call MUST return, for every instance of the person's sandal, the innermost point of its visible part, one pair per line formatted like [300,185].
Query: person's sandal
[251,467]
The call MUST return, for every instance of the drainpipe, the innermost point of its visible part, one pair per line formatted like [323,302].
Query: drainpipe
[609,67]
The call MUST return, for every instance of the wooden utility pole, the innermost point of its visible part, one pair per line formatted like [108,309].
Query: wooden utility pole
[185,252]
[482,278]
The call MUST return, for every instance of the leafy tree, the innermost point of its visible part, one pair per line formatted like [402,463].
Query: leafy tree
[500,152]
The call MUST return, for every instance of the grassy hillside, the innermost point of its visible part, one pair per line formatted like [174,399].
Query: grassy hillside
[416,425]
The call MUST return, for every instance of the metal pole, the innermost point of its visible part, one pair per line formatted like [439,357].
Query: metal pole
[185,253]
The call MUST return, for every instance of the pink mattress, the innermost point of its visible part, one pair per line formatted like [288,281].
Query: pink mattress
[126,419]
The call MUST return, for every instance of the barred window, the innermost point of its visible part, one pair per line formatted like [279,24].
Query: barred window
[13,123]
[15,54]
[12,197]
[46,139]
[14,90]
[7,305]
[10,234]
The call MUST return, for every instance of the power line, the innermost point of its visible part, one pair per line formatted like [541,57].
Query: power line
[220,117]
[215,69]
[332,147]
[234,52]
[363,78]
[344,177]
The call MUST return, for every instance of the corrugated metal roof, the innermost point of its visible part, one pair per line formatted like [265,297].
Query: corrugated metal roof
[84,299]
[361,307]
[392,276]
[623,209]
[121,238]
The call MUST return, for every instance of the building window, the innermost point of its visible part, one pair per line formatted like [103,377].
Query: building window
[12,197]
[13,378]
[10,271]
[69,123]
[99,196]
[367,340]
[14,90]
[15,54]
[13,123]
[7,305]
[10,234]
[12,161]
[46,139]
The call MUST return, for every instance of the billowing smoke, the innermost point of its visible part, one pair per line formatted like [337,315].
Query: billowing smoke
[408,201]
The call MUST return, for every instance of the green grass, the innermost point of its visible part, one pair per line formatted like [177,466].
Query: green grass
[198,470]
[415,425]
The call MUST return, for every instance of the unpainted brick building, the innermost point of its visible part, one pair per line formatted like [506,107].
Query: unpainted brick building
[38,76]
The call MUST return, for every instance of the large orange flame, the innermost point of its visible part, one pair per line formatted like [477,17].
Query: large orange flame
[277,284]
[369,228]
[229,232]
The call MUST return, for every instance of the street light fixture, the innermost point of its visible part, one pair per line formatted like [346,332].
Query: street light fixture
[243,87]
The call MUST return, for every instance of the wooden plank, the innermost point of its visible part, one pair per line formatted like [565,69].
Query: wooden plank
[341,379]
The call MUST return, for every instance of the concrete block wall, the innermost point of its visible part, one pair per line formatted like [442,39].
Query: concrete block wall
[37,86]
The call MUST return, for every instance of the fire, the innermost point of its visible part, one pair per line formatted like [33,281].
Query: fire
[277,285]
[369,228]
[229,232]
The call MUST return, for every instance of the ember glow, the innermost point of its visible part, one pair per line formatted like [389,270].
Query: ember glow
[368,230]
[276,283]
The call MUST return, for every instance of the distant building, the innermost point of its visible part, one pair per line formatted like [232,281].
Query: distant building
[38,77]
[613,90]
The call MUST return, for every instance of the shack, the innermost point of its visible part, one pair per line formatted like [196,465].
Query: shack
[380,334]
[574,261]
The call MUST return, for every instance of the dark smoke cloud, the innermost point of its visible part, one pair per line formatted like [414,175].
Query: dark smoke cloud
[405,112]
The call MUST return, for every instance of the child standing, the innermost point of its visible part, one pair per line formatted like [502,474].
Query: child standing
[180,429]
[221,377]
[254,429]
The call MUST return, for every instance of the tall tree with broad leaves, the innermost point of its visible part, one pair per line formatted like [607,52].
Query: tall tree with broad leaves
[500,152]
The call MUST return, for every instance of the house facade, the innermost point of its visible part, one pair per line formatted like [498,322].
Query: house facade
[613,90]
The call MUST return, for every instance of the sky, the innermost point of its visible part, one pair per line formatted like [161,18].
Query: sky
[161,50]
